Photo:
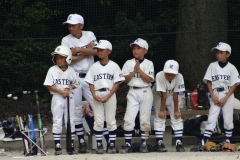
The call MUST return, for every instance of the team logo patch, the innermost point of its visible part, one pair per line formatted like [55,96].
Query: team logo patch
[171,66]
[58,49]
[181,86]
[70,17]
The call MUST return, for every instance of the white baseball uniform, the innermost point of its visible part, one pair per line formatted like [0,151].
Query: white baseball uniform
[139,97]
[81,68]
[103,78]
[62,80]
[163,85]
[223,79]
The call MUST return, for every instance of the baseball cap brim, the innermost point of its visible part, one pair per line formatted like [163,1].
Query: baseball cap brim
[70,22]
[170,71]
[100,47]
[218,48]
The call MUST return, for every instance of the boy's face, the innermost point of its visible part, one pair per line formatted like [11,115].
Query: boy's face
[222,56]
[138,52]
[169,76]
[60,60]
[74,29]
[103,53]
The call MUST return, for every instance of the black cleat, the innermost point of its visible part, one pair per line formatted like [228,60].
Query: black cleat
[143,148]
[179,147]
[161,147]
[99,149]
[82,147]
[58,150]
[112,149]
[126,149]
[198,148]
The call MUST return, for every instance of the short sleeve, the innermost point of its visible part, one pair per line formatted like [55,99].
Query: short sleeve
[150,70]
[126,68]
[90,75]
[180,86]
[235,77]
[118,75]
[160,83]
[49,79]
[208,74]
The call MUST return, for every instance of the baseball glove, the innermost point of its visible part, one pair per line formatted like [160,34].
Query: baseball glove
[210,146]
[228,147]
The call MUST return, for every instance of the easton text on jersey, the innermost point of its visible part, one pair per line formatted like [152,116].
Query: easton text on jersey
[218,77]
[103,76]
[62,81]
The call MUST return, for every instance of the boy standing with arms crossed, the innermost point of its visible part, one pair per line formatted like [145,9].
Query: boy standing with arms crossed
[104,77]
[168,83]
[138,73]
[222,78]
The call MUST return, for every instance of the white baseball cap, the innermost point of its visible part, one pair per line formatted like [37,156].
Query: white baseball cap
[74,19]
[171,66]
[222,47]
[103,44]
[140,42]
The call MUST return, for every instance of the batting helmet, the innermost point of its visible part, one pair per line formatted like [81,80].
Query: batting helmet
[63,51]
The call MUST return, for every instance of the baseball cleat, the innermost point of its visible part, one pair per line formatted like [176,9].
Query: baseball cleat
[99,149]
[112,149]
[179,147]
[198,148]
[143,148]
[58,150]
[82,147]
[161,147]
[126,149]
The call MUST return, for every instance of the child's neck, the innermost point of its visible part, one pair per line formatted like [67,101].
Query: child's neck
[104,60]
[63,68]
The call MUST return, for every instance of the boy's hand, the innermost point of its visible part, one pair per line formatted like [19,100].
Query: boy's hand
[97,98]
[65,93]
[74,51]
[105,99]
[222,101]
[137,66]
[162,115]
[215,100]
[91,45]
[177,114]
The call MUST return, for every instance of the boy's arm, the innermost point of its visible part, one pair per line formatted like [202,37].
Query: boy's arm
[78,57]
[177,114]
[129,77]
[91,86]
[213,97]
[162,113]
[64,93]
[84,51]
[144,76]
[113,90]
[229,93]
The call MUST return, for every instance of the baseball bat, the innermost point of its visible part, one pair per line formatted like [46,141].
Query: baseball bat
[40,127]
[21,127]
[69,136]
[31,126]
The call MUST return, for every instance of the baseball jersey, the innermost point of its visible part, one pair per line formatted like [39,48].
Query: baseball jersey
[104,76]
[72,42]
[220,77]
[61,79]
[163,85]
[146,66]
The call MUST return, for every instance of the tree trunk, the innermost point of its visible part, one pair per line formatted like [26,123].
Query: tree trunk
[202,24]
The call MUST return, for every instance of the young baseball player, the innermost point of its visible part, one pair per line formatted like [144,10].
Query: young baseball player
[104,77]
[222,78]
[165,92]
[138,73]
[61,80]
[80,42]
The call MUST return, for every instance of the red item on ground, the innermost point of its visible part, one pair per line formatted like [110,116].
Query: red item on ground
[194,99]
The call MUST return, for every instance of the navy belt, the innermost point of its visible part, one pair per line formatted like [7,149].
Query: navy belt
[82,75]
[103,89]
[139,87]
[222,89]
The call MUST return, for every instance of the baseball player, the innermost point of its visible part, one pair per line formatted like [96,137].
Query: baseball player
[165,92]
[60,80]
[222,78]
[104,77]
[80,42]
[138,73]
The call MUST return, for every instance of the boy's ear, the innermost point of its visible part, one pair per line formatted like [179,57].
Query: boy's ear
[145,51]
[109,51]
[228,54]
